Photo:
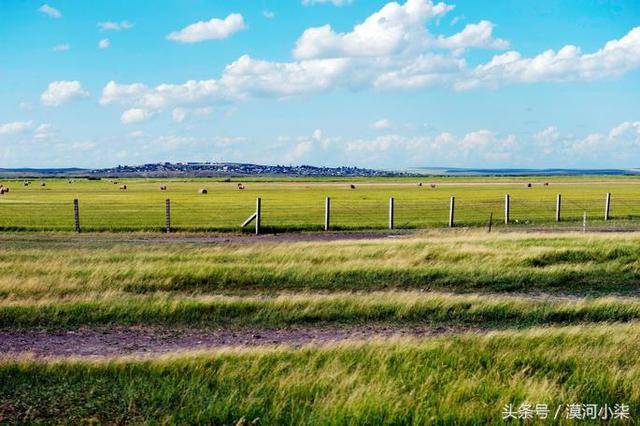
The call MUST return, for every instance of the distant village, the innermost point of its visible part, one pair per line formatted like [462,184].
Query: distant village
[235,169]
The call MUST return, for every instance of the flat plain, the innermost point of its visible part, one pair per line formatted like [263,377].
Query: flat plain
[299,205]
[444,326]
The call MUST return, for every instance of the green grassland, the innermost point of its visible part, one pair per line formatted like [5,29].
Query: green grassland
[552,318]
[299,205]
[463,379]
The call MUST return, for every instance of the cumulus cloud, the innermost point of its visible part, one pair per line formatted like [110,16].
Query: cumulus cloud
[135,115]
[104,43]
[15,127]
[382,124]
[214,29]
[114,26]
[567,64]
[61,47]
[60,92]
[179,114]
[391,49]
[392,29]
[478,35]
[50,11]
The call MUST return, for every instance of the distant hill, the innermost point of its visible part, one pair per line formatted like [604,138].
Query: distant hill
[451,171]
[194,169]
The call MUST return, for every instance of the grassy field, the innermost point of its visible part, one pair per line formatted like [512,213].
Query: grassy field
[299,205]
[542,318]
[454,380]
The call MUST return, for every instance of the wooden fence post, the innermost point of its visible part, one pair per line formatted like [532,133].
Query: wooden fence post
[391,213]
[584,222]
[258,214]
[167,215]
[327,213]
[558,207]
[607,205]
[452,205]
[76,215]
[507,207]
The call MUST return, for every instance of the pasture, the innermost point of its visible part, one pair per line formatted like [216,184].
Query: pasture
[437,326]
[299,205]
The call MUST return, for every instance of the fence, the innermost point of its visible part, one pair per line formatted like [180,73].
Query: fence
[328,214]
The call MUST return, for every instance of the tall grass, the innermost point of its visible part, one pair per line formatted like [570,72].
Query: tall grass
[463,379]
[35,267]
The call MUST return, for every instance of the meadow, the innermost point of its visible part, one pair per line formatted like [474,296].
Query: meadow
[299,205]
[524,317]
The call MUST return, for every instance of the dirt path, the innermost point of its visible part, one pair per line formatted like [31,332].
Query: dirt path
[149,341]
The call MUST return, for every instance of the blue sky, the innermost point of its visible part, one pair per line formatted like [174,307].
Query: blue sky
[335,82]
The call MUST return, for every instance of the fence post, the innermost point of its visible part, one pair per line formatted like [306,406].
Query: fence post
[391,213]
[167,215]
[507,206]
[607,205]
[76,215]
[327,213]
[258,214]
[452,205]
[490,221]
[584,222]
[558,207]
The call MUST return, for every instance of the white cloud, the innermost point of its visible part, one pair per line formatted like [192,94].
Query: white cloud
[478,35]
[135,115]
[114,26]
[15,127]
[382,124]
[43,131]
[317,135]
[137,134]
[214,29]
[60,92]
[269,14]
[626,132]
[179,114]
[333,2]
[421,71]
[104,43]
[25,106]
[50,11]
[61,47]
[567,64]
[392,29]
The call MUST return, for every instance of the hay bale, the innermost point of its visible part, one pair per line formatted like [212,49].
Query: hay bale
[202,191]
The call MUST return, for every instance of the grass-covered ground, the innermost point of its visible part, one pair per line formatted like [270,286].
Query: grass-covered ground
[299,205]
[465,379]
[545,318]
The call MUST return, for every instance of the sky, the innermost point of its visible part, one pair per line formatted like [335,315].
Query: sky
[393,85]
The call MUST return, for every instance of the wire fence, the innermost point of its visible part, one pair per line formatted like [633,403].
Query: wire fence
[280,214]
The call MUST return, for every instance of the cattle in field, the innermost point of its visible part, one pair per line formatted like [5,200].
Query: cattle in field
[433,185]
[202,191]
[352,186]
[529,185]
[163,187]
[123,188]
[240,186]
